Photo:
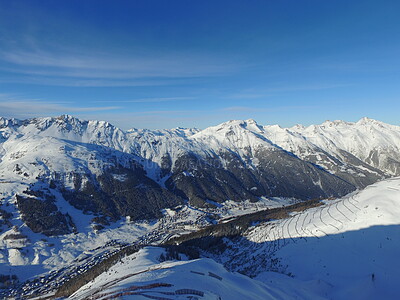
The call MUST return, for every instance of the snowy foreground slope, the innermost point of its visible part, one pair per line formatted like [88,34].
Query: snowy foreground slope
[141,276]
[348,247]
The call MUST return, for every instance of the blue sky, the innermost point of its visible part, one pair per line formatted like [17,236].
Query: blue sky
[164,64]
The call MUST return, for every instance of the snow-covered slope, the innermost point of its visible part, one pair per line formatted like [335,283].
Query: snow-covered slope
[241,137]
[142,276]
[332,158]
[376,205]
[374,142]
[350,244]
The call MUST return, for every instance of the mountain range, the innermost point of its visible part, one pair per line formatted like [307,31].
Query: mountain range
[110,173]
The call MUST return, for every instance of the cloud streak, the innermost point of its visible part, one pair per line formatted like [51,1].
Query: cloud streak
[66,67]
[153,100]
[33,108]
[240,109]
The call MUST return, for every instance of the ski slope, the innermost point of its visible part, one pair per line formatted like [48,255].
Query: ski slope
[350,244]
[142,276]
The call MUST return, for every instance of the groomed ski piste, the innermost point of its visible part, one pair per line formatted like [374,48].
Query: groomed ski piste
[346,248]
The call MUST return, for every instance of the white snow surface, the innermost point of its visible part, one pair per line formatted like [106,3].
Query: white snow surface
[202,275]
[361,139]
[350,244]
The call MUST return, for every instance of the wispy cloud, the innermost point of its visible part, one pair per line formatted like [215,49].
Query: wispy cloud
[11,106]
[79,82]
[166,112]
[307,87]
[248,95]
[258,93]
[67,67]
[240,109]
[152,100]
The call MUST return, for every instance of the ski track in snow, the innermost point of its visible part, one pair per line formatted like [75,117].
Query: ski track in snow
[346,241]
